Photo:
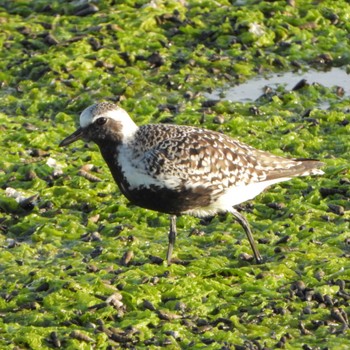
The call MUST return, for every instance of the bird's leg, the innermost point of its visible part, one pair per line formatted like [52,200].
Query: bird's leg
[172,238]
[244,223]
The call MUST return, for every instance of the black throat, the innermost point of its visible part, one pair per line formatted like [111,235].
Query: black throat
[110,153]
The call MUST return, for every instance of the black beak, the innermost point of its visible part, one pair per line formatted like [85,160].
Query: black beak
[78,134]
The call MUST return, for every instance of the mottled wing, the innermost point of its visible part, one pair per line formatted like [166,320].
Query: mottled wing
[203,158]
[197,157]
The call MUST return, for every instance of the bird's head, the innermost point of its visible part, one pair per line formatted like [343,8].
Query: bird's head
[103,123]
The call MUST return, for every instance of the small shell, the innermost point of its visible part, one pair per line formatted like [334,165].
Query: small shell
[155,259]
[246,257]
[26,203]
[91,237]
[337,209]
[219,119]
[86,10]
[57,169]
[167,316]
[88,176]
[127,257]
[96,252]
[81,336]
[54,340]
[148,305]
[115,300]
[340,316]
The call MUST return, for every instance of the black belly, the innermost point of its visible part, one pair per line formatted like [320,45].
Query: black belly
[156,198]
[166,200]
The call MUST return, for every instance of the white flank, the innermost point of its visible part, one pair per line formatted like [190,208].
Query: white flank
[233,196]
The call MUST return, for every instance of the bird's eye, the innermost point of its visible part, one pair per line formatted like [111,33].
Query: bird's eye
[101,121]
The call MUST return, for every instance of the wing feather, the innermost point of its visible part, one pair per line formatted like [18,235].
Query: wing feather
[198,157]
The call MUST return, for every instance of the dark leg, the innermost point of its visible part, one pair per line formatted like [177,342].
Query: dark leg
[172,238]
[244,223]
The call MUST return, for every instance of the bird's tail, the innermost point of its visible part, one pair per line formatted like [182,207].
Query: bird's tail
[296,167]
[309,166]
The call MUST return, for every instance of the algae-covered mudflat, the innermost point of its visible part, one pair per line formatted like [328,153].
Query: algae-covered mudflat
[80,267]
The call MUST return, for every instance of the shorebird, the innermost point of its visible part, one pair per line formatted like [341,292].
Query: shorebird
[179,170]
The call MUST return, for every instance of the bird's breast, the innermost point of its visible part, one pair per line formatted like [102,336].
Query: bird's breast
[145,191]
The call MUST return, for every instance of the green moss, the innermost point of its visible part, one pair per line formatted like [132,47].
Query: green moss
[54,63]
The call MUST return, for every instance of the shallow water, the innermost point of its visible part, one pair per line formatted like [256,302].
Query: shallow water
[254,88]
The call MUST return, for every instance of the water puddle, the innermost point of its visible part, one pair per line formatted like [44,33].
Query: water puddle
[254,88]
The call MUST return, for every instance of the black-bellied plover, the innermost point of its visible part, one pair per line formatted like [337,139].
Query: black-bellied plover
[179,170]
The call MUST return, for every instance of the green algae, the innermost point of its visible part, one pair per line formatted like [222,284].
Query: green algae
[158,59]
